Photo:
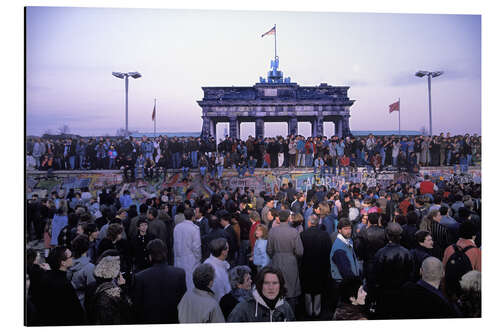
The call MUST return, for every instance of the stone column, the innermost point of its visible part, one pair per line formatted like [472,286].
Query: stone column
[319,126]
[292,126]
[313,128]
[234,127]
[205,130]
[346,128]
[340,126]
[213,128]
[259,128]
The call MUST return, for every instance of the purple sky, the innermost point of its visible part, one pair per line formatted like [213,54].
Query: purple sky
[71,52]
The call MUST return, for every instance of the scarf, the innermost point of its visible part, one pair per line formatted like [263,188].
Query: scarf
[271,303]
[240,294]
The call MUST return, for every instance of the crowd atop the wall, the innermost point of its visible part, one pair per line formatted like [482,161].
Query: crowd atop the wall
[237,256]
[147,157]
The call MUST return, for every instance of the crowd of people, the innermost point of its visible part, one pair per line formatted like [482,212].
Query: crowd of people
[355,253]
[147,157]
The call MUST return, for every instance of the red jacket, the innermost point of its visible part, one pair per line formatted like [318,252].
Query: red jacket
[309,147]
[344,161]
[426,187]
[404,206]
[267,158]
[251,235]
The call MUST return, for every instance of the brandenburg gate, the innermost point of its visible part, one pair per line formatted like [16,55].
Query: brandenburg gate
[276,100]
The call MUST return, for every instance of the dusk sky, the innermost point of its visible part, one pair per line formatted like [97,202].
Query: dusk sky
[71,52]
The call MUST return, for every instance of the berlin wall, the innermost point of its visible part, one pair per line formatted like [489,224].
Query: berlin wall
[268,180]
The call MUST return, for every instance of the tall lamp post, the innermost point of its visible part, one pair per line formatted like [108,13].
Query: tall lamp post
[429,76]
[125,76]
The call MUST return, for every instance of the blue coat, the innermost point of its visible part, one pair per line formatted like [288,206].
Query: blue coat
[343,261]
[58,223]
[329,224]
[301,146]
[125,201]
[260,257]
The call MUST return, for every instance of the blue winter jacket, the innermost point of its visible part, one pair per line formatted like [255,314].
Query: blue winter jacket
[58,223]
[343,260]
[260,257]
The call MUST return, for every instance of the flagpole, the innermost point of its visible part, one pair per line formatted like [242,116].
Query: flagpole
[399,116]
[275,33]
[156,112]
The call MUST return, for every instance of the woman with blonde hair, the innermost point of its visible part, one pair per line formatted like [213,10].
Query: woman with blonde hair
[260,257]
[298,222]
[327,221]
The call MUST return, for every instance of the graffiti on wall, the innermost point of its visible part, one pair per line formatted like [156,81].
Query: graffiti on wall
[266,180]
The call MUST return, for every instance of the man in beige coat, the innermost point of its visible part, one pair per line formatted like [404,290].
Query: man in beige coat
[284,247]
[200,304]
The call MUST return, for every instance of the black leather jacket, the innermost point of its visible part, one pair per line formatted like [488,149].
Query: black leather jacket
[369,241]
[393,266]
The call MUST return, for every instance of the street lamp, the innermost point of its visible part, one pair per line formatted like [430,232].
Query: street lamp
[125,76]
[429,75]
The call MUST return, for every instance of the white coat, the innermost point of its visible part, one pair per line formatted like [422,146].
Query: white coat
[221,284]
[187,249]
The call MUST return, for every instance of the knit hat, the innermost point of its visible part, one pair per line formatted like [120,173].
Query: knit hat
[108,267]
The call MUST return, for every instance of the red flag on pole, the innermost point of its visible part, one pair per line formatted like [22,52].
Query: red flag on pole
[394,107]
[154,112]
[270,32]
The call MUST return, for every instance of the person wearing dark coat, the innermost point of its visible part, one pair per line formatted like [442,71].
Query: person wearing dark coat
[245,225]
[132,229]
[423,250]
[106,302]
[157,227]
[241,289]
[230,236]
[139,246]
[393,267]
[423,299]
[164,216]
[58,303]
[157,290]
[35,272]
[215,232]
[315,265]
[267,303]
[114,241]
[409,230]
[369,241]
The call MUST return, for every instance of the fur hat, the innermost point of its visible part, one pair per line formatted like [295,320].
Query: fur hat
[108,267]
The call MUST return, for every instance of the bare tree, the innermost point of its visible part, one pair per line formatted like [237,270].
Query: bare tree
[64,129]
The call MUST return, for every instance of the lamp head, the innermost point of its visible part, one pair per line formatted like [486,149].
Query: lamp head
[422,73]
[135,75]
[118,75]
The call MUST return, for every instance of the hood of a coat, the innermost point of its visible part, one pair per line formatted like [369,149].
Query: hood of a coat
[79,263]
[260,300]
